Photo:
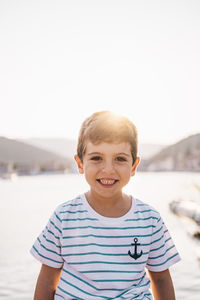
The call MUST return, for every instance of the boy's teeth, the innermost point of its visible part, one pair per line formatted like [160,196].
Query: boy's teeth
[106,181]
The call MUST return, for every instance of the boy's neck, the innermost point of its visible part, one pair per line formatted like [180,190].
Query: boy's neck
[113,207]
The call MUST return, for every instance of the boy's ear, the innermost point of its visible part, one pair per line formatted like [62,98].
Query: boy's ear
[134,166]
[79,164]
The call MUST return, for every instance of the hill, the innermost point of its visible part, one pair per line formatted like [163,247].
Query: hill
[67,147]
[36,154]
[16,155]
[57,153]
[146,150]
[60,146]
[181,156]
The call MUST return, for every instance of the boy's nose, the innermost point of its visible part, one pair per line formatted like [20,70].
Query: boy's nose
[108,167]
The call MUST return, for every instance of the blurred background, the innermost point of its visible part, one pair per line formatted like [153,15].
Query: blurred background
[62,60]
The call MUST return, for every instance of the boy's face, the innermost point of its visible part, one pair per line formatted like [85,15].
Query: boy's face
[107,167]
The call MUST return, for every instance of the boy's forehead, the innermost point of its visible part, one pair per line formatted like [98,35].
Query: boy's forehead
[103,147]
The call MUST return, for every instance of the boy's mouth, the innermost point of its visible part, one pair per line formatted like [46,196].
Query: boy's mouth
[107,182]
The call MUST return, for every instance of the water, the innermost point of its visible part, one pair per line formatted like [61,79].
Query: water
[27,202]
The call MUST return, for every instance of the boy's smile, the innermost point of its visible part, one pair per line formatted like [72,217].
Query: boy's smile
[107,168]
[107,182]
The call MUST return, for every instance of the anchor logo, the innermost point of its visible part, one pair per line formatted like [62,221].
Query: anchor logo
[135,255]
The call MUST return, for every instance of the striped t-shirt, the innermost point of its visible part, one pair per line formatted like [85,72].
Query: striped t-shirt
[101,257]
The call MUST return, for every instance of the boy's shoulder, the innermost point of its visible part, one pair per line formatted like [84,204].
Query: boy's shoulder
[145,208]
[70,205]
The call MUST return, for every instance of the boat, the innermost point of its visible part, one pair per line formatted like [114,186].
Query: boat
[8,176]
[186,208]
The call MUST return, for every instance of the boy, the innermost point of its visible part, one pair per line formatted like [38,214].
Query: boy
[99,245]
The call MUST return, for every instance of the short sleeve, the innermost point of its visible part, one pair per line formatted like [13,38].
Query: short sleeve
[163,253]
[47,247]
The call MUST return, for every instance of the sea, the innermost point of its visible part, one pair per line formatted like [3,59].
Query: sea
[26,203]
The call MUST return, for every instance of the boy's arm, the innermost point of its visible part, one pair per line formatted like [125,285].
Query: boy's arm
[47,283]
[162,285]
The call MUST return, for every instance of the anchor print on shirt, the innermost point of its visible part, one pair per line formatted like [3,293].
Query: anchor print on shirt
[135,255]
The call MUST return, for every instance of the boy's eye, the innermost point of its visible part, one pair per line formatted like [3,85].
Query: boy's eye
[120,158]
[96,158]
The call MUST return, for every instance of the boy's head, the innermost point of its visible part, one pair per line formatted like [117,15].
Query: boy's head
[107,127]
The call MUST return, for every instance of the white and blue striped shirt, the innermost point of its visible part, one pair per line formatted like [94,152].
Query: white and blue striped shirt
[101,257]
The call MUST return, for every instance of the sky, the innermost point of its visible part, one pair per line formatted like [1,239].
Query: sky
[62,60]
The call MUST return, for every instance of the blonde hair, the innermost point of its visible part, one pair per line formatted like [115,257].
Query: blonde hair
[106,126]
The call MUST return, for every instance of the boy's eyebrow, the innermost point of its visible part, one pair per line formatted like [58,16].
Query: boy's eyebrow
[92,153]
[121,153]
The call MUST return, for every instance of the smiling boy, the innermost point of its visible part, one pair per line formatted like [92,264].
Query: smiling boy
[100,244]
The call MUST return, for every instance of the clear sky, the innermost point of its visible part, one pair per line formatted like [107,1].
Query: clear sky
[62,60]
